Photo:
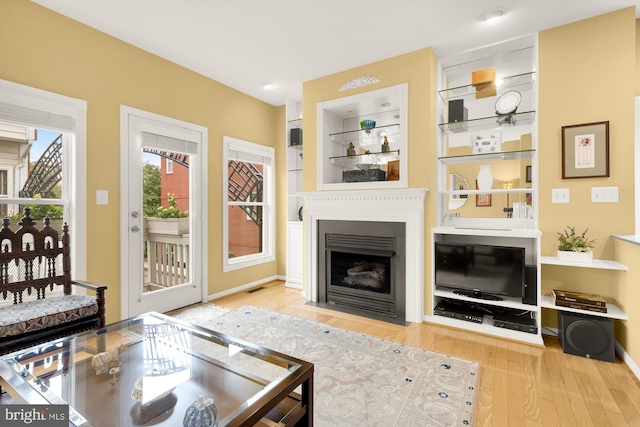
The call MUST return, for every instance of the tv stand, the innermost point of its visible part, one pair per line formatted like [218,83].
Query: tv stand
[478,295]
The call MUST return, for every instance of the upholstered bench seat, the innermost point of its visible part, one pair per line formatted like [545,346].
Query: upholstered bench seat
[36,315]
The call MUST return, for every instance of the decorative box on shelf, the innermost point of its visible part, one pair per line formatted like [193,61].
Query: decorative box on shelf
[571,256]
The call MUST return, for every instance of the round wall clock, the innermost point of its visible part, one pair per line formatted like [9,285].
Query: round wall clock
[508,103]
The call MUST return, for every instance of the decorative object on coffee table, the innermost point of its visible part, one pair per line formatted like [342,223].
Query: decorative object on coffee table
[201,413]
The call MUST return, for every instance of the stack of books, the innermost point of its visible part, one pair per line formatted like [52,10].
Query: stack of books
[579,300]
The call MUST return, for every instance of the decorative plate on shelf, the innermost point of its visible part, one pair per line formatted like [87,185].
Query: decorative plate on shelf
[508,102]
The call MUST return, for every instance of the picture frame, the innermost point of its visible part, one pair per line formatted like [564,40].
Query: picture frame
[482,200]
[528,174]
[585,150]
[393,170]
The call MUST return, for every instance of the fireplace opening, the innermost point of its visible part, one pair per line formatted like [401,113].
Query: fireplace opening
[361,268]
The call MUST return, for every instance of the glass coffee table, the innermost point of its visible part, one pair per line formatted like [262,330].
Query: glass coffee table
[151,370]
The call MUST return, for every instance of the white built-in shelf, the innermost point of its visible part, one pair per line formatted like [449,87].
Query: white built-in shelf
[486,327]
[603,264]
[487,157]
[508,302]
[613,311]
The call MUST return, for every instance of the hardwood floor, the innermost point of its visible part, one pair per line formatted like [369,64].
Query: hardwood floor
[520,384]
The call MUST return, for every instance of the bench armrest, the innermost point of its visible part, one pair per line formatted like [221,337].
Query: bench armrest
[99,290]
[89,285]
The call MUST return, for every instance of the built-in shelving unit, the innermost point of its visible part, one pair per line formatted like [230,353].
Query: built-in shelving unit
[462,217]
[350,157]
[294,162]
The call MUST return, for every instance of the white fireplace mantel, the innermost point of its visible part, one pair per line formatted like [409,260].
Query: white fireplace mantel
[398,205]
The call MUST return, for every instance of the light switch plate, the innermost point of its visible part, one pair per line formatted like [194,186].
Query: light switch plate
[102,197]
[560,195]
[604,194]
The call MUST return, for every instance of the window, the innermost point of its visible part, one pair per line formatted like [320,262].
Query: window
[169,166]
[248,204]
[59,123]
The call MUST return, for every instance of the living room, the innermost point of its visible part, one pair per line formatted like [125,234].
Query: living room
[86,64]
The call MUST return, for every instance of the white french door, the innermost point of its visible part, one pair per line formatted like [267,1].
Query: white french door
[163,203]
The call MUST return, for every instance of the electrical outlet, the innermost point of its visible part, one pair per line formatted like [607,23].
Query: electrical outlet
[604,194]
[560,195]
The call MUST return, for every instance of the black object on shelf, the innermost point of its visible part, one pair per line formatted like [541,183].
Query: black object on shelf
[295,137]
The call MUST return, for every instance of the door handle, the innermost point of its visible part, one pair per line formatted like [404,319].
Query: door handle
[135,228]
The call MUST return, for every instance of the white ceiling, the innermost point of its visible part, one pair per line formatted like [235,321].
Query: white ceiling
[246,43]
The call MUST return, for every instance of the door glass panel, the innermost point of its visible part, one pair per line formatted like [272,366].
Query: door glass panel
[245,213]
[166,225]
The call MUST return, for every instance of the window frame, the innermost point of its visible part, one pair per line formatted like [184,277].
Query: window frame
[268,230]
[52,108]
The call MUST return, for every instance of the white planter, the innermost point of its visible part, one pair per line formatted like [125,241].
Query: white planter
[570,256]
[170,226]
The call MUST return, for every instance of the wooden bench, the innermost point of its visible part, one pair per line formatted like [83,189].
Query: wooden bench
[30,261]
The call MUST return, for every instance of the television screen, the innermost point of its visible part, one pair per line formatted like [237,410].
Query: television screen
[481,271]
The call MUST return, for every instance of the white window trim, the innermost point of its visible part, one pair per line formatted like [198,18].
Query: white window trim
[268,248]
[76,157]
[169,167]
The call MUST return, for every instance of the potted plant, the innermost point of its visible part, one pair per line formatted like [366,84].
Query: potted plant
[169,220]
[574,247]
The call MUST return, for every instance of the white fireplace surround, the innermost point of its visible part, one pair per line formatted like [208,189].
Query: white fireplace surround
[400,205]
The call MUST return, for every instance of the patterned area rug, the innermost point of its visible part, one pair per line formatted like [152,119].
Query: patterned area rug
[359,380]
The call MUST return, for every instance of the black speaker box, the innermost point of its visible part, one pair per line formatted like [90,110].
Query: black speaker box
[586,336]
[457,113]
[530,285]
[295,136]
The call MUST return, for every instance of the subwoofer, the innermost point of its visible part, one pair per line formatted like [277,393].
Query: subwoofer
[586,336]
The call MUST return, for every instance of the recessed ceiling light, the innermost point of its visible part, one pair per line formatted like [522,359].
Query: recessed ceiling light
[494,14]
[268,86]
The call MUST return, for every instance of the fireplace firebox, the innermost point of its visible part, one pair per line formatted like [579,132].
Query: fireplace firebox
[361,268]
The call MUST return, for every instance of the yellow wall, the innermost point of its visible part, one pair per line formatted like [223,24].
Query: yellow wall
[587,73]
[43,49]
[418,70]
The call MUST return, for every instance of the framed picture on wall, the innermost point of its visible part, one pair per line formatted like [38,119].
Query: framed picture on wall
[482,200]
[585,150]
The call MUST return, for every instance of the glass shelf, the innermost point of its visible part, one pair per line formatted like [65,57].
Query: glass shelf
[294,121]
[390,130]
[521,119]
[520,82]
[372,159]
[295,170]
[487,157]
[297,147]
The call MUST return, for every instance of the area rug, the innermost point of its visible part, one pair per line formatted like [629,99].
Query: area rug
[359,380]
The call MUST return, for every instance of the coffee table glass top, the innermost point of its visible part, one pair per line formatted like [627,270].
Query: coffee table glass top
[149,370]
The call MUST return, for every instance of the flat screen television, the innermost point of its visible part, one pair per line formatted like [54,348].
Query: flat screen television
[480,271]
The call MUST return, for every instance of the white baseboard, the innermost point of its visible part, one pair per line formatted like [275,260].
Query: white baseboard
[627,359]
[242,288]
[619,349]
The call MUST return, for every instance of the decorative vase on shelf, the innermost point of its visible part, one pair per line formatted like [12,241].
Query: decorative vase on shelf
[571,256]
[385,145]
[485,178]
[351,150]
